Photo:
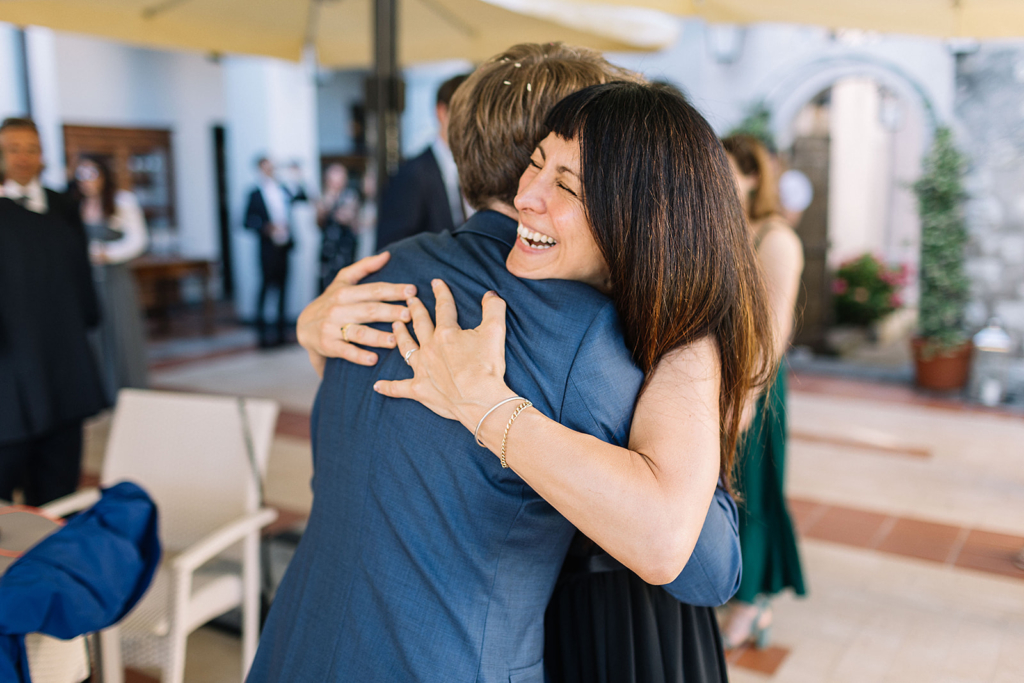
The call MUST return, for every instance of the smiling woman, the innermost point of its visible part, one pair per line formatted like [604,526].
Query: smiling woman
[555,239]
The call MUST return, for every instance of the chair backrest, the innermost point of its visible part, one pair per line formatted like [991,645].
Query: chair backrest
[189,452]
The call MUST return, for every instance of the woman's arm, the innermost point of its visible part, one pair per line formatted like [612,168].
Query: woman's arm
[347,304]
[644,505]
[782,261]
[132,223]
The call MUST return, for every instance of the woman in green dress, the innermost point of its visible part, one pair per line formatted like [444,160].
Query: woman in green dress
[771,562]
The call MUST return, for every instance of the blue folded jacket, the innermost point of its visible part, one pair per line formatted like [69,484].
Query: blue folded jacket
[83,578]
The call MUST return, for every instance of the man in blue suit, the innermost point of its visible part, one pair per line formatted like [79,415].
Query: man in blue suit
[425,560]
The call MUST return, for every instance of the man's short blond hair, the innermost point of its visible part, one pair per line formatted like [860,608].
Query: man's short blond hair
[497,115]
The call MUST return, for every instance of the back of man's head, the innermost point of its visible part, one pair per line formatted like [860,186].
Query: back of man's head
[497,116]
[448,88]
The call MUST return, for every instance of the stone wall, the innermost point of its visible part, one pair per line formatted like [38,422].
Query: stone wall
[990,131]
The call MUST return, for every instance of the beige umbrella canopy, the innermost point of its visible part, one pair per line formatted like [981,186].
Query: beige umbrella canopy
[941,18]
[341,30]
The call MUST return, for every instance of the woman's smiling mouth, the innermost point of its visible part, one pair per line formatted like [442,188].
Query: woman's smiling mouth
[534,240]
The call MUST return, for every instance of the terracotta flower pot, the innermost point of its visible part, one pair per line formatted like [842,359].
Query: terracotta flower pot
[942,372]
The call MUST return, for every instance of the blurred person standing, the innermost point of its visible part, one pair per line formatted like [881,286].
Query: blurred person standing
[337,214]
[771,561]
[424,196]
[116,228]
[269,214]
[795,194]
[49,383]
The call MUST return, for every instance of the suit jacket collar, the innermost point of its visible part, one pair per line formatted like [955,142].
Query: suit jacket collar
[35,196]
[491,224]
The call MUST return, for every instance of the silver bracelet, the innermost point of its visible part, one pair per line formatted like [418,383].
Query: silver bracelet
[476,432]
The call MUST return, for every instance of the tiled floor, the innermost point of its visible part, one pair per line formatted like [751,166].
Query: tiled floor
[910,509]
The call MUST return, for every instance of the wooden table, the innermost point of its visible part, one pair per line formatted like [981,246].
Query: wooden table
[159,279]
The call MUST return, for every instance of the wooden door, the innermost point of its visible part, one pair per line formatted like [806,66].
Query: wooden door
[814,306]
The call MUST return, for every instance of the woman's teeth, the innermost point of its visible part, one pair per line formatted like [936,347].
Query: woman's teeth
[534,239]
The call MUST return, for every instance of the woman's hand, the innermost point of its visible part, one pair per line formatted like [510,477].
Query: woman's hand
[332,324]
[458,374]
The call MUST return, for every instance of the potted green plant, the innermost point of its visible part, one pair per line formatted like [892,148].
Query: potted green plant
[942,349]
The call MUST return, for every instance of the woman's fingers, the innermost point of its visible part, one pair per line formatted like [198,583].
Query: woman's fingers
[373,291]
[368,312]
[399,388]
[367,336]
[444,308]
[406,344]
[494,308]
[421,322]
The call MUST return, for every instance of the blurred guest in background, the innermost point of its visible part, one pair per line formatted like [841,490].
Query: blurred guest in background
[424,195]
[116,229]
[48,378]
[294,182]
[367,219]
[795,195]
[269,214]
[337,214]
[771,561]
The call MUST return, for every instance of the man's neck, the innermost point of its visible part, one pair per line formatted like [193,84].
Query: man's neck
[503,208]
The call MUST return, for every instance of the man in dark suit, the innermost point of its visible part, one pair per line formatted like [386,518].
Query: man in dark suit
[268,213]
[424,195]
[425,560]
[49,382]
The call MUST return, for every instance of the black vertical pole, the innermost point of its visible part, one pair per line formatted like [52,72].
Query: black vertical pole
[387,94]
[26,82]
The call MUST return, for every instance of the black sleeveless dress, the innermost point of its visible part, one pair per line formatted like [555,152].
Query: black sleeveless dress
[606,625]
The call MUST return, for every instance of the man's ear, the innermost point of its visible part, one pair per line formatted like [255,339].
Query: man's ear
[442,121]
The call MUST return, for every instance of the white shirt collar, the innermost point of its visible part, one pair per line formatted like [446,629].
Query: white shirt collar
[33,192]
[275,199]
[450,174]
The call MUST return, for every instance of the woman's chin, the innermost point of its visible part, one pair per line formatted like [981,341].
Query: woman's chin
[529,266]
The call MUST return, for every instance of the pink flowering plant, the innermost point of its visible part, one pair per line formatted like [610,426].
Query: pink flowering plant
[866,289]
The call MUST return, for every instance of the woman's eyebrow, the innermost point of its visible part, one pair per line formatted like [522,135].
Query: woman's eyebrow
[540,148]
[566,169]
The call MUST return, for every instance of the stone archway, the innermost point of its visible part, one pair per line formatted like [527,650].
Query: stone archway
[802,84]
[813,155]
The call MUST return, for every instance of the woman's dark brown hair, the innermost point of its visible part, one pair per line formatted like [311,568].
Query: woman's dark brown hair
[109,191]
[754,159]
[661,201]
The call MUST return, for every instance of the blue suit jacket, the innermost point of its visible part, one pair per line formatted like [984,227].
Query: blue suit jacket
[423,559]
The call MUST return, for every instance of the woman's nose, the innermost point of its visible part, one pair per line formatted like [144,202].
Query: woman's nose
[529,196]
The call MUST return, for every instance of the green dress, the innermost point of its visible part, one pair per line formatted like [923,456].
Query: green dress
[771,561]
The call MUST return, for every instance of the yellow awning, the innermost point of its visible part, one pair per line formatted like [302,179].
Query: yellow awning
[940,18]
[340,29]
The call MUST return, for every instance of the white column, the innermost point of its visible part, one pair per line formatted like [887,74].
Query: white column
[271,110]
[43,83]
[858,190]
[12,100]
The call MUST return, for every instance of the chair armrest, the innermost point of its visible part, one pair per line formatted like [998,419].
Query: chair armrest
[74,502]
[204,550]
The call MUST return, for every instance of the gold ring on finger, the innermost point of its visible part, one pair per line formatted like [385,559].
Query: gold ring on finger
[344,332]
[407,354]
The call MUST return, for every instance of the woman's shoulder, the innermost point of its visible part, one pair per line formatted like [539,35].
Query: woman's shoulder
[776,232]
[126,198]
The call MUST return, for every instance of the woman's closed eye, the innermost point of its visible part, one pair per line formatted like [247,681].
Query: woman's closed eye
[568,189]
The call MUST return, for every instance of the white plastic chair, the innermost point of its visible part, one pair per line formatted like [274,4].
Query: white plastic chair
[190,453]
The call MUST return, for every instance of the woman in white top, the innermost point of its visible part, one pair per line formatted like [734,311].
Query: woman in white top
[116,228]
